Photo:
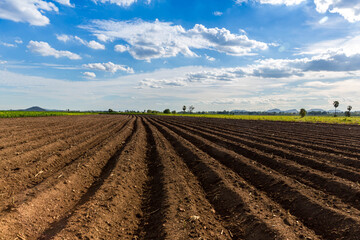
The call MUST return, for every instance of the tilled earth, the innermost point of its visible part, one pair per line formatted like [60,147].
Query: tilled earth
[141,177]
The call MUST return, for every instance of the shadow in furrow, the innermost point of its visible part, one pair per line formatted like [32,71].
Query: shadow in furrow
[151,225]
[57,226]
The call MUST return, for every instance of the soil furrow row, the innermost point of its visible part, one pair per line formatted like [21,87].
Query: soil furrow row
[301,201]
[251,147]
[246,212]
[31,176]
[188,214]
[48,205]
[341,148]
[28,143]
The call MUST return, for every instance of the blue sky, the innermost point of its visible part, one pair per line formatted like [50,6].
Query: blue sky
[157,54]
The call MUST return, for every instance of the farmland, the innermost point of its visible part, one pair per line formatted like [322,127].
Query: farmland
[13,114]
[158,177]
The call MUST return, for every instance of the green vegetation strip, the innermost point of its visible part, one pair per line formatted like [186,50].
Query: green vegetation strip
[14,114]
[312,119]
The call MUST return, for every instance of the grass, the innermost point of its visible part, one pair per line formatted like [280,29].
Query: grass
[312,119]
[13,114]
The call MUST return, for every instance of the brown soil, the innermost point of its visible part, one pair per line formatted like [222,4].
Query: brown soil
[142,177]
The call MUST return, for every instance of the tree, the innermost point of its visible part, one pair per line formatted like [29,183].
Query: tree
[336,104]
[191,108]
[347,113]
[303,112]
[173,112]
[110,110]
[184,108]
[167,111]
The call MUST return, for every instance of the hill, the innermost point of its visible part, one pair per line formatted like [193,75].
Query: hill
[34,109]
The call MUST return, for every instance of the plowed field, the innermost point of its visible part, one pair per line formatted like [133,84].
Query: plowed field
[142,177]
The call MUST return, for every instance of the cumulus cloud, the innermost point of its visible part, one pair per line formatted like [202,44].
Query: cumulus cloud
[30,11]
[279,2]
[65,2]
[109,67]
[151,40]
[92,44]
[44,49]
[217,13]
[349,9]
[89,74]
[95,45]
[121,3]
[63,37]
[121,48]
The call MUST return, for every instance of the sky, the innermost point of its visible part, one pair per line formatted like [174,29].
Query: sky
[157,54]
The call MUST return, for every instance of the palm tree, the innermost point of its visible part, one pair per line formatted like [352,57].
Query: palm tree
[191,108]
[184,108]
[336,104]
[348,111]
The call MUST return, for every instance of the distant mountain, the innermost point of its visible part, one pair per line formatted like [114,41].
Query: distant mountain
[275,110]
[337,110]
[316,110]
[34,109]
[239,111]
[291,111]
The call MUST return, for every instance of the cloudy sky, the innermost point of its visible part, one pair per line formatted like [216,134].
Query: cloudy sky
[157,54]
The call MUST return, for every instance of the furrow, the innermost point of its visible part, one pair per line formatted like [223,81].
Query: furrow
[250,147]
[35,174]
[188,214]
[292,138]
[32,142]
[49,204]
[300,200]
[99,198]
[348,191]
[245,211]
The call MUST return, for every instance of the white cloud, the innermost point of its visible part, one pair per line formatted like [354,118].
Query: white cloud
[211,59]
[217,13]
[63,37]
[30,11]
[155,83]
[151,40]
[89,74]
[7,44]
[323,20]
[18,41]
[109,67]
[65,2]
[279,2]
[121,48]
[121,3]
[92,44]
[3,62]
[239,2]
[44,49]
[349,9]
[348,46]
[95,45]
